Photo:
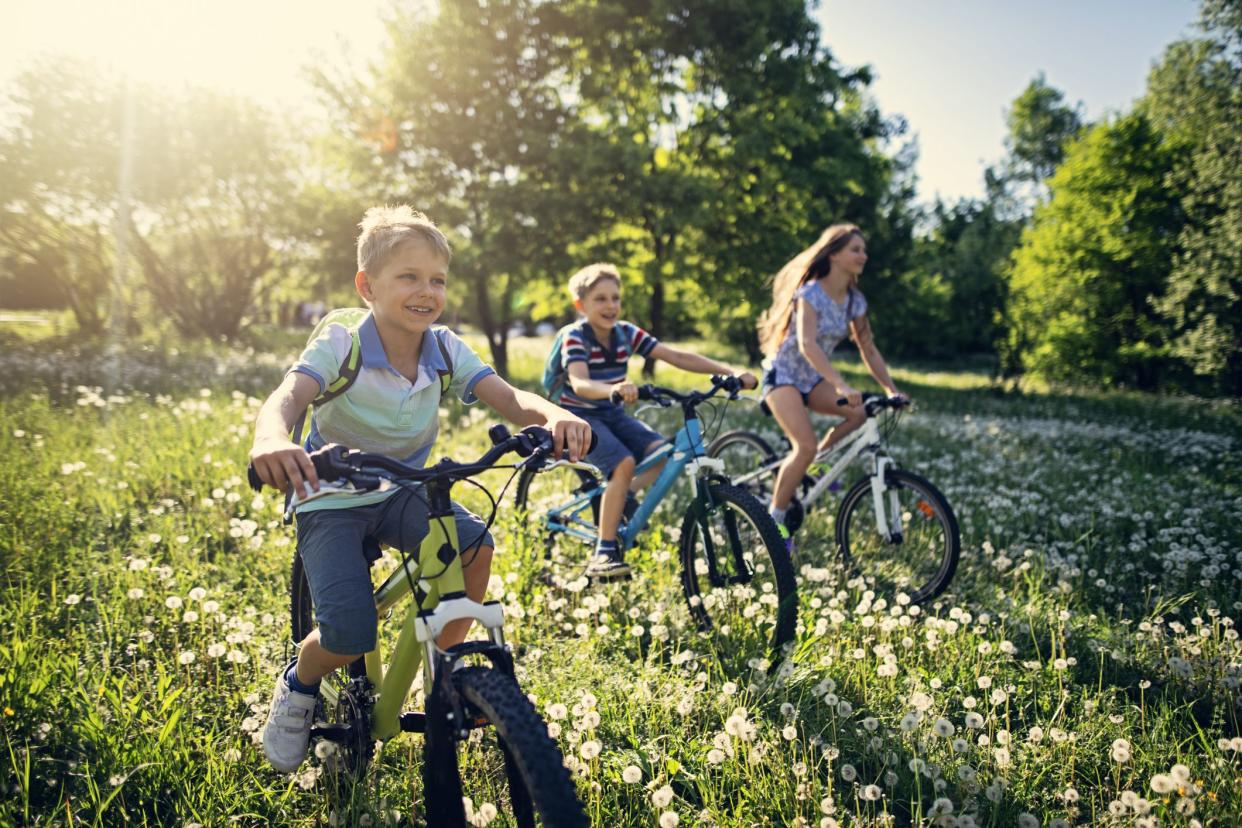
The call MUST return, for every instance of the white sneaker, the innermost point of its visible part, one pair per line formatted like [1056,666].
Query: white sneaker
[286,734]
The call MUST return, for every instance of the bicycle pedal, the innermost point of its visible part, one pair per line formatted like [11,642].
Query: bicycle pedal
[331,732]
[628,575]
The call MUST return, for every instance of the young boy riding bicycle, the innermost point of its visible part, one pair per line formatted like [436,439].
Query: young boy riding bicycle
[399,365]
[594,356]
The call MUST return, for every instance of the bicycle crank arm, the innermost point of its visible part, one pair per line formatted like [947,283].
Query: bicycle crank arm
[338,733]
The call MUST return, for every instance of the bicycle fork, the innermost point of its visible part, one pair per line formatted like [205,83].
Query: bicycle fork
[705,508]
[888,521]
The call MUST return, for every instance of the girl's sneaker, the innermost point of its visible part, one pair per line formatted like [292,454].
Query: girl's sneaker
[789,541]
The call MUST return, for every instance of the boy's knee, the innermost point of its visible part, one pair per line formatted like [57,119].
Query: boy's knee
[625,468]
[480,556]
[349,632]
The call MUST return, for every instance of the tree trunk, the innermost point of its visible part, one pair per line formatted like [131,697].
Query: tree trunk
[495,333]
[657,321]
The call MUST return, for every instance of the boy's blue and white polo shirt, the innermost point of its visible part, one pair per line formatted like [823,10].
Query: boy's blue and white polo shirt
[383,412]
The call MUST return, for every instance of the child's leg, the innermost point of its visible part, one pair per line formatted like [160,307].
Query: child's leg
[823,400]
[785,401]
[404,526]
[315,662]
[648,477]
[613,503]
[330,543]
[641,440]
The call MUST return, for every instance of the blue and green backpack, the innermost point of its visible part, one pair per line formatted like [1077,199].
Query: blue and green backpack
[554,376]
[351,319]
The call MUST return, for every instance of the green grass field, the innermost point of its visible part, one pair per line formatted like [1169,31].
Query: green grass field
[1084,668]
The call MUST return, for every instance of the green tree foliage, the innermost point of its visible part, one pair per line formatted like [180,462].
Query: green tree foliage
[464,116]
[1195,95]
[59,161]
[735,140]
[1040,123]
[1093,260]
[956,283]
[192,182]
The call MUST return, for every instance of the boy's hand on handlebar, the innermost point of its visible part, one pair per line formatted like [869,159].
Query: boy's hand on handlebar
[749,380]
[626,392]
[283,463]
[570,433]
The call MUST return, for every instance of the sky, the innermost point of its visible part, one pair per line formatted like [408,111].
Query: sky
[951,67]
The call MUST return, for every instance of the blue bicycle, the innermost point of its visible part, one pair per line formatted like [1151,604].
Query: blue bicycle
[735,572]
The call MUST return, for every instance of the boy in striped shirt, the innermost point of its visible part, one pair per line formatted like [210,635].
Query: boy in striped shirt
[595,356]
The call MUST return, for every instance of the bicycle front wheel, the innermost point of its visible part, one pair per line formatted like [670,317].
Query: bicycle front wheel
[543,500]
[916,554]
[515,767]
[736,574]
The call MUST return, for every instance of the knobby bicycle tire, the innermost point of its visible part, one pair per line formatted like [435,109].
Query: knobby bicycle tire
[758,556]
[924,563]
[541,791]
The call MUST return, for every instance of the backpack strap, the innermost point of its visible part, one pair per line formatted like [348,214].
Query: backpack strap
[350,366]
[446,375]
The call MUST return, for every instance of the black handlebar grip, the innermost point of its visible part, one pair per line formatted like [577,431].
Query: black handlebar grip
[253,478]
[498,434]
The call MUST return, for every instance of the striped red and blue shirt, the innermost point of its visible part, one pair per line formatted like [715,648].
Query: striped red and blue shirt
[604,364]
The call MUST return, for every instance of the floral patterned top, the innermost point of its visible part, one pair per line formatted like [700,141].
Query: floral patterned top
[832,324]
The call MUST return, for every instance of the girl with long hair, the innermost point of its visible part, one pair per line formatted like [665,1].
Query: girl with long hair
[816,303]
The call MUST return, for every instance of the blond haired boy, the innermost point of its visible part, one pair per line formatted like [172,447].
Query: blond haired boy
[390,408]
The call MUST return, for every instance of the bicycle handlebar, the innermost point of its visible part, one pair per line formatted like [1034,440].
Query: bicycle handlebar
[336,462]
[874,403]
[667,396]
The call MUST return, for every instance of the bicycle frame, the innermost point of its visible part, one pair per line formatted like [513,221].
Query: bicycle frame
[865,439]
[440,599]
[685,455]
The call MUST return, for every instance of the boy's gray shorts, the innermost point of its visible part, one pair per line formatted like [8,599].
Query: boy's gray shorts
[331,543]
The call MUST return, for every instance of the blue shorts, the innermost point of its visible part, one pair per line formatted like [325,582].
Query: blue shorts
[333,545]
[618,436]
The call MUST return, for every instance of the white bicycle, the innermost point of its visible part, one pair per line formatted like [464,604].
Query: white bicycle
[893,528]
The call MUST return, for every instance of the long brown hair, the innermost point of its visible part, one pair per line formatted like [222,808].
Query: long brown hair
[812,263]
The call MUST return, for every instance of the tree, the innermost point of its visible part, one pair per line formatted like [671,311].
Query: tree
[1039,124]
[1093,260]
[1195,95]
[957,282]
[465,117]
[736,140]
[59,166]
[190,182]
[210,185]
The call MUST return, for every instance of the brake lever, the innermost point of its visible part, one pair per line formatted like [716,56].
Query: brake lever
[581,465]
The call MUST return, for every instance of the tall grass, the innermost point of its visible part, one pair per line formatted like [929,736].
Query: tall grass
[1084,668]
